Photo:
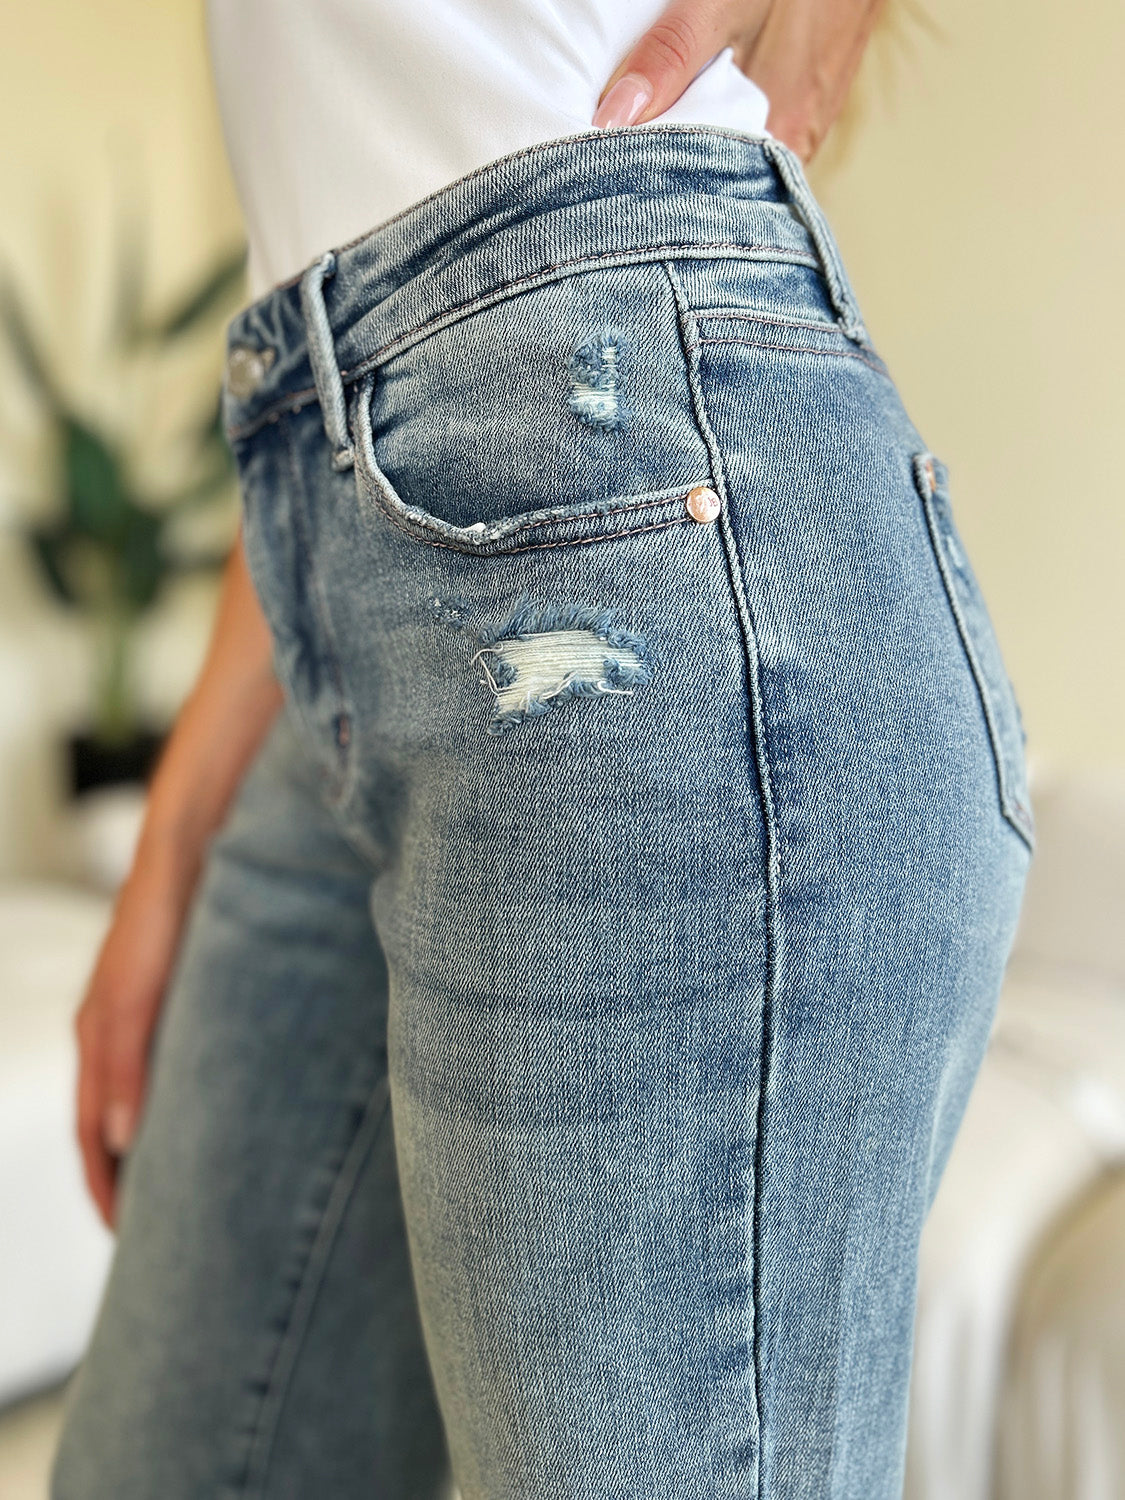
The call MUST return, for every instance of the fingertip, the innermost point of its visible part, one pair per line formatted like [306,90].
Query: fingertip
[117,1128]
[105,1202]
[624,103]
[101,1180]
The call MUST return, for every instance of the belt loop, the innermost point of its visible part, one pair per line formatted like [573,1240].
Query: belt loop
[322,357]
[789,167]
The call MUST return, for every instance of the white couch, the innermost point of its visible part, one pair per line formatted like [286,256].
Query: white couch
[1018,1390]
[53,1249]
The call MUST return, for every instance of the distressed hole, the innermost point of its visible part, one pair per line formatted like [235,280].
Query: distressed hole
[545,655]
[450,612]
[595,382]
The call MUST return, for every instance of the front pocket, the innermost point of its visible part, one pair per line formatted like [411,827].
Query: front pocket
[552,417]
[551,526]
[997,696]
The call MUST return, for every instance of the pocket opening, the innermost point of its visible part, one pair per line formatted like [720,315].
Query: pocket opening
[566,525]
[981,647]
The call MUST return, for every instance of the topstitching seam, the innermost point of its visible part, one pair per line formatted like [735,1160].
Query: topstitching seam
[765,787]
[371,479]
[1011,805]
[344,771]
[800,349]
[300,1314]
[552,271]
[420,535]
[741,315]
[539,148]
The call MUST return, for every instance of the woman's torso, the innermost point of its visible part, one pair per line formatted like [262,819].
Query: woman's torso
[339,115]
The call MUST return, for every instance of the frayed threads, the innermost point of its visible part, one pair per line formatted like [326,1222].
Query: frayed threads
[546,654]
[595,382]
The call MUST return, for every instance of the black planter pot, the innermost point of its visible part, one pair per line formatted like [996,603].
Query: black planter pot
[92,764]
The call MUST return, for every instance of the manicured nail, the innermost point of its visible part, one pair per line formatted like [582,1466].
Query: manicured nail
[118,1128]
[624,103]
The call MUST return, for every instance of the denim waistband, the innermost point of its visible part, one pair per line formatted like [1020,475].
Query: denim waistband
[610,197]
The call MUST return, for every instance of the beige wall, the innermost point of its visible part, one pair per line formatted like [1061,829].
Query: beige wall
[103,106]
[981,214]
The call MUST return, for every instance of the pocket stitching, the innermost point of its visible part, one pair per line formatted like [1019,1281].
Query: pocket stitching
[800,349]
[293,401]
[484,550]
[420,526]
[1011,805]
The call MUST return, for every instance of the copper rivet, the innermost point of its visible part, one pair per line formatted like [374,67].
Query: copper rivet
[703,504]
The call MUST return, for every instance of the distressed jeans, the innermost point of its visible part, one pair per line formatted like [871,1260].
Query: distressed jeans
[581,999]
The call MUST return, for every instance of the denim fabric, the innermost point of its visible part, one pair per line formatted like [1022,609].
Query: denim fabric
[580,1004]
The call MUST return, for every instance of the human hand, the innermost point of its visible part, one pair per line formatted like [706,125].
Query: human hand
[803,54]
[117,1017]
[215,737]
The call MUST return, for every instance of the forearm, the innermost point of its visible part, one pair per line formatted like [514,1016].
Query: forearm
[217,732]
[804,58]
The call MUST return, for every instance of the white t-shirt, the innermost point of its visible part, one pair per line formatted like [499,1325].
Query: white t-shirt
[340,113]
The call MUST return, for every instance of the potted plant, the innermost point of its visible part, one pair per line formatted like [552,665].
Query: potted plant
[109,551]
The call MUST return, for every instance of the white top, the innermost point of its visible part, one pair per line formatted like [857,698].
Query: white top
[340,113]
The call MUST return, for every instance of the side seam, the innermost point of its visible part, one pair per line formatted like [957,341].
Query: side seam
[690,342]
[344,773]
[289,1346]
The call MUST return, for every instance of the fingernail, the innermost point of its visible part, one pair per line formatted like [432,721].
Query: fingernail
[118,1128]
[624,103]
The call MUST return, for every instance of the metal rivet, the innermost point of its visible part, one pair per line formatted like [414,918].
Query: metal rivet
[703,504]
[246,369]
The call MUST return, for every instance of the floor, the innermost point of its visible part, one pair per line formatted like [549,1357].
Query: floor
[27,1442]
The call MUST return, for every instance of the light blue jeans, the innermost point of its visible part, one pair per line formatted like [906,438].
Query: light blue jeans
[579,1005]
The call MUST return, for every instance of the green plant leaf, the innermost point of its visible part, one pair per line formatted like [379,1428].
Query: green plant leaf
[96,494]
[49,547]
[80,571]
[26,349]
[213,433]
[217,464]
[129,280]
[142,568]
[216,287]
